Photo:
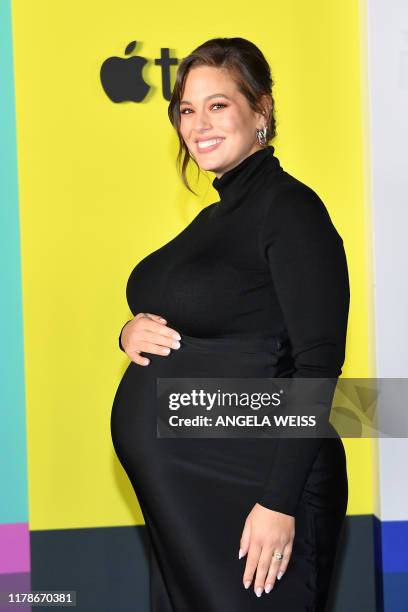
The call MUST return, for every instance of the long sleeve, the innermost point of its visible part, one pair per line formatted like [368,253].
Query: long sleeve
[120,337]
[308,266]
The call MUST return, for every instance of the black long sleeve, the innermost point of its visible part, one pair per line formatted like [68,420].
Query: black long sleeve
[309,270]
[120,336]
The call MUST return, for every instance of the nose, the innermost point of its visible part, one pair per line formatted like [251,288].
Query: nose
[202,122]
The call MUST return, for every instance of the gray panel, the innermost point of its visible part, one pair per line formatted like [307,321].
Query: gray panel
[108,567]
[353,586]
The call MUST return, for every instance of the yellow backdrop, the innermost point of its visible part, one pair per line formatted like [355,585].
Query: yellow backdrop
[99,191]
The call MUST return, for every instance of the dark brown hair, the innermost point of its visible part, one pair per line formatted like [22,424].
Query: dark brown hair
[247,66]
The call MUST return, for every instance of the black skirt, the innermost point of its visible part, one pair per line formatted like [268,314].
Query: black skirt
[195,493]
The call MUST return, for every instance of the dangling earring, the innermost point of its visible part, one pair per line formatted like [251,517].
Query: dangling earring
[261,136]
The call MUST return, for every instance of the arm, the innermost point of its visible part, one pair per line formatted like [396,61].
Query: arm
[308,266]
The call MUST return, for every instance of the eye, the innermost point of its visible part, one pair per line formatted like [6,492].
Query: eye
[183,111]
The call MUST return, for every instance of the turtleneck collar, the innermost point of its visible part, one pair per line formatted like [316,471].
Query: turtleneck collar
[235,183]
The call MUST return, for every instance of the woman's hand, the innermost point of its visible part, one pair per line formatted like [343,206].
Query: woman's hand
[149,333]
[265,533]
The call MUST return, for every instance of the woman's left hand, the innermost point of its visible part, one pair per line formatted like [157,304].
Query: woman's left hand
[265,533]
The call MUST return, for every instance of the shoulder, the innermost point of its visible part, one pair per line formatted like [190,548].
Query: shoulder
[293,208]
[200,216]
[293,199]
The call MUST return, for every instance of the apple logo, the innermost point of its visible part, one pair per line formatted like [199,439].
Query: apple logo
[122,78]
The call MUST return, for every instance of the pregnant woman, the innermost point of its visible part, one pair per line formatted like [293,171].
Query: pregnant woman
[255,286]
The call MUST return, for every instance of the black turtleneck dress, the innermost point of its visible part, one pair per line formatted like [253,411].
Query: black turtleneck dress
[262,270]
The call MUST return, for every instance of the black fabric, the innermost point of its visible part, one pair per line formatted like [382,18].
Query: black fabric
[120,336]
[265,263]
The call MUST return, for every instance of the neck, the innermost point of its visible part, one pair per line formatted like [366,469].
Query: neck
[253,150]
[236,183]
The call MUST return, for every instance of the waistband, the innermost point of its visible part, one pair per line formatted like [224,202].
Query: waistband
[241,345]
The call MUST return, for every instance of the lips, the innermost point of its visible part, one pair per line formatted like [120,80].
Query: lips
[209,144]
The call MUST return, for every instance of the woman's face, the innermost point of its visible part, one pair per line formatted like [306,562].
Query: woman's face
[211,109]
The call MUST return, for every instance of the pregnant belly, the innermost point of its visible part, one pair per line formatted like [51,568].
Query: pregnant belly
[146,457]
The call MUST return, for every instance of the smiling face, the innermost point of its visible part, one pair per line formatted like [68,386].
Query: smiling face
[216,122]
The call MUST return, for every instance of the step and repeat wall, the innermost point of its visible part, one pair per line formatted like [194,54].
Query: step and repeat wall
[89,186]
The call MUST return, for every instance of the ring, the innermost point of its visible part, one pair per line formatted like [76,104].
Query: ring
[278,556]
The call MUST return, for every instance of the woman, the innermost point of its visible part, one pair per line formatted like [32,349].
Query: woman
[255,286]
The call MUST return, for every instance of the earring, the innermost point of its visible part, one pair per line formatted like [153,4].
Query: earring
[261,136]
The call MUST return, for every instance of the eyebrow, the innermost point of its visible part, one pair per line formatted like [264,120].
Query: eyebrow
[216,95]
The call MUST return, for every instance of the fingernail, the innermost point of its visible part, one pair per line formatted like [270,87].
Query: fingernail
[268,588]
[259,591]
[176,345]
[177,336]
[279,576]
[247,583]
[241,552]
[161,319]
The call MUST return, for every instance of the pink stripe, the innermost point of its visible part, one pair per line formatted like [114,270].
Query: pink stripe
[14,548]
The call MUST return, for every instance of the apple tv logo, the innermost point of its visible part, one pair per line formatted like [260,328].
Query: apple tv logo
[122,78]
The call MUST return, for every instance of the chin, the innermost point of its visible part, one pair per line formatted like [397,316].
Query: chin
[213,162]
[208,167]
[207,163]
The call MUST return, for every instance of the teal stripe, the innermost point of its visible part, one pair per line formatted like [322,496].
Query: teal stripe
[13,454]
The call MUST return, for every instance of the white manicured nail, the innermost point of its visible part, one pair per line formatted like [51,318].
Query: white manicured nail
[259,591]
[241,552]
[247,583]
